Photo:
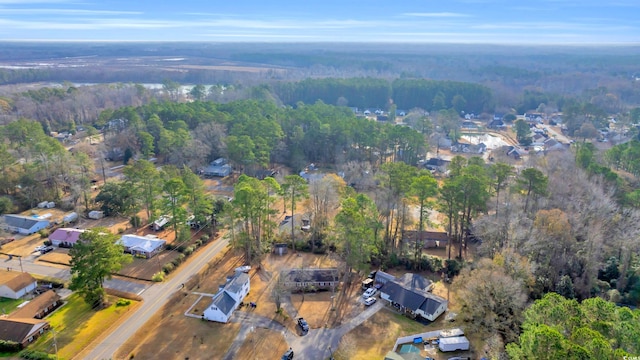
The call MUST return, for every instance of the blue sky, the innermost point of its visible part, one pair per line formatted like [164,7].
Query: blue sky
[403,21]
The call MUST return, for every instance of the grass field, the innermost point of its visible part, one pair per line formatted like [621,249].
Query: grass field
[8,305]
[76,325]
[376,336]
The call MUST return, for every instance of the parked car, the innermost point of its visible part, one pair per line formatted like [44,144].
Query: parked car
[370,301]
[46,249]
[288,355]
[303,324]
[459,358]
[40,248]
[369,293]
[372,274]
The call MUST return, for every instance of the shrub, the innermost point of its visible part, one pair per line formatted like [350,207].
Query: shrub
[198,243]
[141,256]
[123,302]
[158,277]
[9,346]
[168,268]
[205,238]
[35,355]
[120,231]
[178,260]
[47,243]
[188,251]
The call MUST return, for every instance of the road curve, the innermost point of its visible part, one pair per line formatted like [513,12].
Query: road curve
[154,298]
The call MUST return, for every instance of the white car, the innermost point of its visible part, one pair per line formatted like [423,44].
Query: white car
[40,248]
[369,293]
[369,301]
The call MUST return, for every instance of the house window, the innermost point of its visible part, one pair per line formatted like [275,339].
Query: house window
[41,331]
[30,339]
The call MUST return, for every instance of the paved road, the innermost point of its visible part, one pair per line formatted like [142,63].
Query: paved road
[30,265]
[154,298]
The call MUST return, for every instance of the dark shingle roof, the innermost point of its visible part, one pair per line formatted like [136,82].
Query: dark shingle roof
[431,304]
[408,298]
[414,281]
[224,302]
[305,275]
[19,221]
[19,329]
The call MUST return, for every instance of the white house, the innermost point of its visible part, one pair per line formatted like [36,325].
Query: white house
[25,225]
[15,284]
[143,245]
[228,298]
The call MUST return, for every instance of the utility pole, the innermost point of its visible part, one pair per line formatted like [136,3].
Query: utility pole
[11,257]
[55,342]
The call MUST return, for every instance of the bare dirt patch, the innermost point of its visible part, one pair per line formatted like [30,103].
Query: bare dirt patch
[262,344]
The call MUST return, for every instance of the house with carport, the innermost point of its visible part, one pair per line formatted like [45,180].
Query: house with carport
[16,284]
[147,246]
[228,298]
[24,225]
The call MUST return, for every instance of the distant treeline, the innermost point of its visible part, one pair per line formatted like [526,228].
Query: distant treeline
[404,93]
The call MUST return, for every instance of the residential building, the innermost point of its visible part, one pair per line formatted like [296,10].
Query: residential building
[428,239]
[217,168]
[410,295]
[65,237]
[310,278]
[16,284]
[39,307]
[25,225]
[148,246]
[22,331]
[228,298]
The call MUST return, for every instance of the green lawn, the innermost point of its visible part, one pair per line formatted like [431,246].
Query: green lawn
[76,325]
[8,305]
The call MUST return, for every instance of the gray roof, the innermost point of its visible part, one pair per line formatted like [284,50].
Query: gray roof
[413,299]
[235,284]
[414,281]
[383,277]
[432,303]
[224,302]
[22,222]
[409,299]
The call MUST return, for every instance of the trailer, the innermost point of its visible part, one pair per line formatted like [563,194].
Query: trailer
[453,343]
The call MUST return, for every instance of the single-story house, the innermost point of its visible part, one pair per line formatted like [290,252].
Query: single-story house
[218,168]
[310,278]
[25,225]
[228,298]
[538,139]
[469,125]
[65,237]
[515,152]
[497,124]
[144,245]
[410,295]
[437,164]
[39,307]
[553,145]
[429,239]
[16,284]
[22,331]
[469,148]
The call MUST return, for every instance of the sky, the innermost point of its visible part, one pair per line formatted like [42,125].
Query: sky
[396,21]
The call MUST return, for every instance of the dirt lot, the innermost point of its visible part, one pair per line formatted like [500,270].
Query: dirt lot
[259,341]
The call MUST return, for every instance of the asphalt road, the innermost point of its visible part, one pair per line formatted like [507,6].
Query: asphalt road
[29,265]
[154,298]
